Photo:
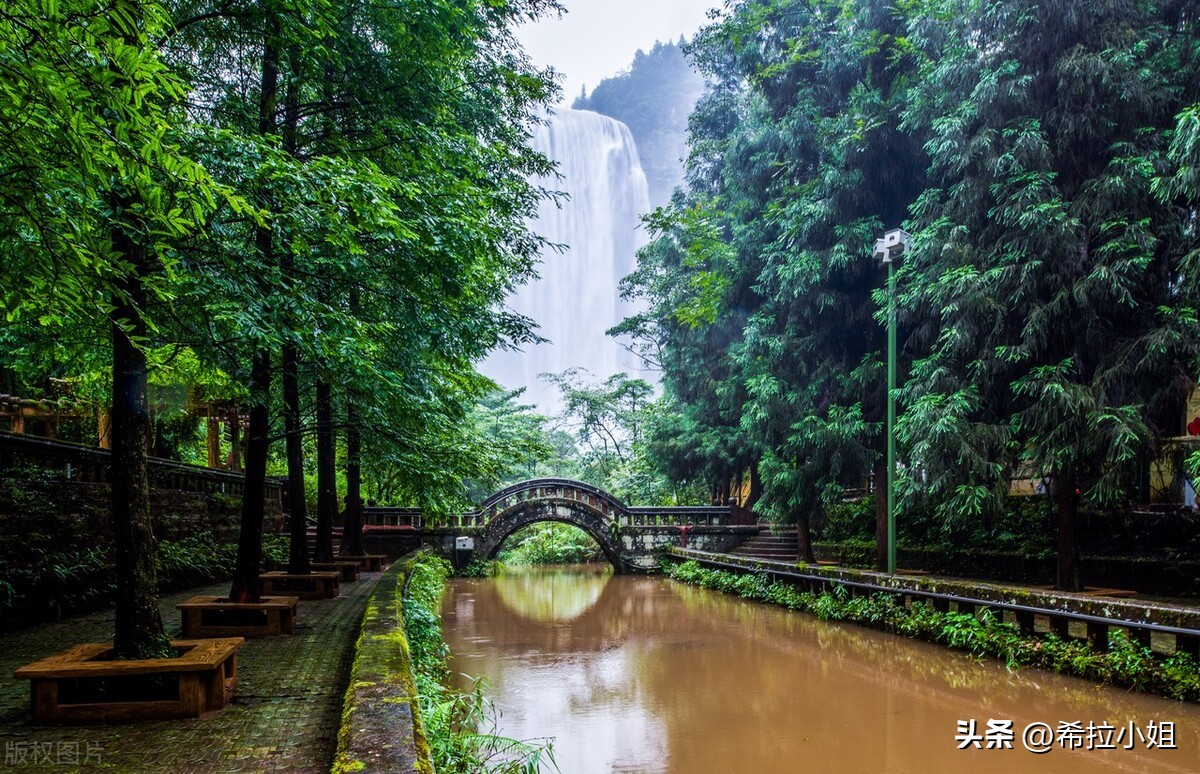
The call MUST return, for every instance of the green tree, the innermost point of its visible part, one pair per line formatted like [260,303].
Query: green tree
[762,270]
[1050,286]
[98,195]
[387,145]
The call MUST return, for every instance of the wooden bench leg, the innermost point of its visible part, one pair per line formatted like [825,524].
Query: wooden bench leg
[214,687]
[44,699]
[193,694]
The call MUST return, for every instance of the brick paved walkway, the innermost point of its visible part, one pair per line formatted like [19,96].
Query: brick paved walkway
[284,716]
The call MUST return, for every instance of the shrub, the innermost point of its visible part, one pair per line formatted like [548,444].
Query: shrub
[550,542]
[459,725]
[49,585]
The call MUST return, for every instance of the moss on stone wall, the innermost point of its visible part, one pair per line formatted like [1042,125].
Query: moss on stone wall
[381,727]
[401,714]
[56,543]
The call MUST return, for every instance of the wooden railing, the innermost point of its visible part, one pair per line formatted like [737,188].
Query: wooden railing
[87,463]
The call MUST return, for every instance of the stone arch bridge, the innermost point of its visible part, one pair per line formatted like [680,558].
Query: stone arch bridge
[629,536]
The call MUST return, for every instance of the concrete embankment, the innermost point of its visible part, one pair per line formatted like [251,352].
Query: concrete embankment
[381,727]
[1163,627]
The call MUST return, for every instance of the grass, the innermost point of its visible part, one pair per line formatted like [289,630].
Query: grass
[461,726]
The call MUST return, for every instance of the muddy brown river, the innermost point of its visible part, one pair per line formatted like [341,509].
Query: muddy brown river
[641,674]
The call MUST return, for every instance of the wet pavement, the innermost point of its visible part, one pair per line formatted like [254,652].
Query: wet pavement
[284,716]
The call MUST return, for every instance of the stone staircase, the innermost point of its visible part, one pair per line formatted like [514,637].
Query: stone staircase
[771,543]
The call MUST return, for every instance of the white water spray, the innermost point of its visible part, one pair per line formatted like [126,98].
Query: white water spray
[577,296]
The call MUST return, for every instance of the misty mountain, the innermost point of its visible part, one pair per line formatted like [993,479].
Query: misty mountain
[654,97]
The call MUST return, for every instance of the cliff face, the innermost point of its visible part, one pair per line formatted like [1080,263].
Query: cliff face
[654,98]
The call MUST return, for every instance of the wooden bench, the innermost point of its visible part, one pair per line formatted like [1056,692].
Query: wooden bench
[348,569]
[368,562]
[70,686]
[211,616]
[314,585]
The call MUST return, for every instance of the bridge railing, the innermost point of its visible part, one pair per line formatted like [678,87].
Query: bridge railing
[679,516]
[472,519]
[561,489]
[386,516]
[389,516]
[539,487]
[91,464]
[708,516]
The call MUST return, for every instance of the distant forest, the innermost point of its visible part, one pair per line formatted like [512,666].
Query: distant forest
[653,97]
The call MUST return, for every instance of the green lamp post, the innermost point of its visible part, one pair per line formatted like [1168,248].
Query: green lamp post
[888,251]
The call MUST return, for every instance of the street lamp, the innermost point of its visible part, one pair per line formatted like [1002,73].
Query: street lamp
[888,250]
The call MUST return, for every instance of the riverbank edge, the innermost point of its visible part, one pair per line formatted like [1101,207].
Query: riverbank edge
[1115,609]
[1126,664]
[1178,578]
[381,728]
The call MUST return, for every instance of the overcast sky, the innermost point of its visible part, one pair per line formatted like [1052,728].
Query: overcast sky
[597,38]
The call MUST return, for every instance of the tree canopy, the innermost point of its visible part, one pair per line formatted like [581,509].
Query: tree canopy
[330,197]
[1041,154]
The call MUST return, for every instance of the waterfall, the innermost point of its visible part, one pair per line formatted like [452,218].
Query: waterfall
[576,298]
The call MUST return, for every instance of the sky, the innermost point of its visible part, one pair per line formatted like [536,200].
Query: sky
[597,38]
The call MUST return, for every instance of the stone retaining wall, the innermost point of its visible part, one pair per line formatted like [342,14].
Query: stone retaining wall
[381,725]
[54,515]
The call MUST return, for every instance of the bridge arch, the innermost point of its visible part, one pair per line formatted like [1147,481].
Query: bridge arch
[563,488]
[628,536]
[594,519]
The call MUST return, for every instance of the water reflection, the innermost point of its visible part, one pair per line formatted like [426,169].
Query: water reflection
[654,676]
[552,594]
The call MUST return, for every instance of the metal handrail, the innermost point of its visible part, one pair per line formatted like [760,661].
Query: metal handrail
[1015,607]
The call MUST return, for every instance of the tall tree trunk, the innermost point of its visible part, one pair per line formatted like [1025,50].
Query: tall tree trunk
[352,538]
[298,561]
[804,537]
[881,514]
[755,487]
[139,627]
[352,542]
[326,474]
[1068,547]
[246,586]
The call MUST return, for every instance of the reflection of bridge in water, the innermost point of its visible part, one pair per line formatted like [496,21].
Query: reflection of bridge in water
[628,535]
[634,642]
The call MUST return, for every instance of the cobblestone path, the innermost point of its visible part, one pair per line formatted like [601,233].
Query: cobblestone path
[284,716]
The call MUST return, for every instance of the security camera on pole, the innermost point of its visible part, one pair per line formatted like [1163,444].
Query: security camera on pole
[888,250]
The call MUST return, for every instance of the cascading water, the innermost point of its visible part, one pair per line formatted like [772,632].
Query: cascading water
[577,298]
